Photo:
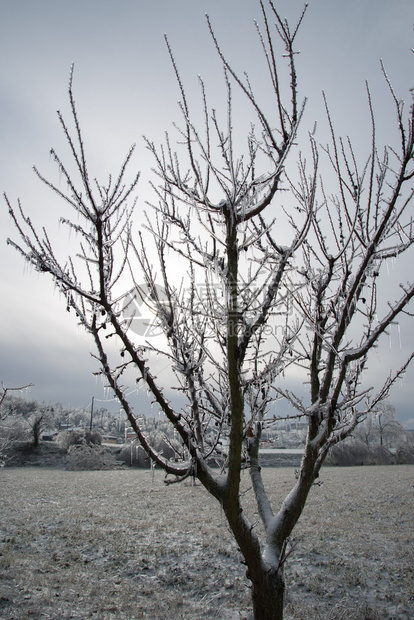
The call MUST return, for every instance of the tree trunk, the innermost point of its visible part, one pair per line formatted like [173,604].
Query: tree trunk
[265,575]
[268,590]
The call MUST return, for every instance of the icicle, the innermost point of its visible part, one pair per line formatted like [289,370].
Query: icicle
[399,335]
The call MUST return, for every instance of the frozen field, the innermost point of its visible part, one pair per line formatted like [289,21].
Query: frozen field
[119,544]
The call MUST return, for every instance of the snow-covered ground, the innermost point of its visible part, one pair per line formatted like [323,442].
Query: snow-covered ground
[119,544]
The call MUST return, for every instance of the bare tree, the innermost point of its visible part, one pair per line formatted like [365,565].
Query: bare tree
[365,430]
[38,422]
[386,427]
[5,430]
[381,426]
[275,273]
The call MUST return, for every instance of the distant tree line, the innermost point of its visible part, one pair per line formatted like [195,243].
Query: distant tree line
[23,420]
[379,440]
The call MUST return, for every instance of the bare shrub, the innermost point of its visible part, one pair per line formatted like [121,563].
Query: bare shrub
[353,453]
[405,455]
[134,455]
[347,455]
[66,439]
[89,457]
[381,456]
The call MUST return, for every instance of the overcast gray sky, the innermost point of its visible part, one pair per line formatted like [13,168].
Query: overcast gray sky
[125,87]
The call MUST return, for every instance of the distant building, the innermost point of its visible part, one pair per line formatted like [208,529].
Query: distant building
[49,436]
[130,434]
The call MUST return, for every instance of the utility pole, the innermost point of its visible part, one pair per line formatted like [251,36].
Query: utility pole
[90,425]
